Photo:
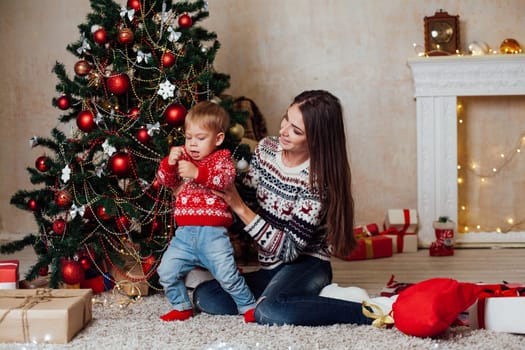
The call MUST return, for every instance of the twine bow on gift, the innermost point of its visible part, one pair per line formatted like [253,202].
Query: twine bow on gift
[380,319]
[41,295]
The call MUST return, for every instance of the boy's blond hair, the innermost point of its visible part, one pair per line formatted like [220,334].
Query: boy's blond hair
[210,116]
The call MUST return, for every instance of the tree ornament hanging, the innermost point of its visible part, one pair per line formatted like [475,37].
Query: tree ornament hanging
[118,83]
[59,226]
[42,164]
[63,198]
[134,113]
[120,164]
[185,21]
[134,4]
[143,136]
[72,272]
[123,223]
[86,121]
[82,68]
[43,271]
[237,131]
[148,263]
[100,36]
[175,114]
[125,36]
[102,214]
[63,102]
[32,204]
[85,262]
[167,59]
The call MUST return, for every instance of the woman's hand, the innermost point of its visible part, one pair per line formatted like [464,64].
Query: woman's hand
[232,197]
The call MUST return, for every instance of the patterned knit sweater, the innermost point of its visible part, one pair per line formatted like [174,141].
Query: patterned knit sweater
[289,220]
[195,204]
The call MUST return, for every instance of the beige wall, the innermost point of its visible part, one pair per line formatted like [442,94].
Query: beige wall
[273,49]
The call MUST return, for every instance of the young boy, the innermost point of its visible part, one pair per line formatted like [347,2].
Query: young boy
[202,218]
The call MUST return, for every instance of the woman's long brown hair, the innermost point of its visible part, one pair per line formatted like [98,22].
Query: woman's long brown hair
[329,165]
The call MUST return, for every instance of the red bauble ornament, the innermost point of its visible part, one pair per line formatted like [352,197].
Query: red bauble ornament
[63,102]
[44,270]
[125,36]
[185,21]
[85,262]
[175,114]
[101,213]
[32,204]
[155,185]
[143,136]
[63,198]
[134,113]
[118,83]
[59,226]
[82,68]
[148,263]
[123,223]
[100,36]
[167,59]
[72,272]
[120,164]
[134,4]
[86,121]
[42,164]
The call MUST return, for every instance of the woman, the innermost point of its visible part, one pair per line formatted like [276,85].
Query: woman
[297,205]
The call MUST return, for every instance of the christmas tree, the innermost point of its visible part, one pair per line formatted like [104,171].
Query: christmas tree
[140,68]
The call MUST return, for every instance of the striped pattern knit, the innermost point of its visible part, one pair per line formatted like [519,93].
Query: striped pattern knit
[195,204]
[289,221]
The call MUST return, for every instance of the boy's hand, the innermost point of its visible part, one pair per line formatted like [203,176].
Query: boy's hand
[175,155]
[188,170]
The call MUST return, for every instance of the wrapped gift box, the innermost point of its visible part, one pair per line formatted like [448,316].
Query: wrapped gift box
[403,220]
[403,243]
[9,274]
[500,314]
[130,278]
[371,247]
[43,315]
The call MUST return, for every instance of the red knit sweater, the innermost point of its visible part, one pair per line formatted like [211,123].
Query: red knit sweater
[195,204]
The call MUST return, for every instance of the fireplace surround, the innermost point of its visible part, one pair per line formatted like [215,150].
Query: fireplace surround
[438,82]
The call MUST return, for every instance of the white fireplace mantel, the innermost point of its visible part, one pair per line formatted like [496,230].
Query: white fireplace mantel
[438,81]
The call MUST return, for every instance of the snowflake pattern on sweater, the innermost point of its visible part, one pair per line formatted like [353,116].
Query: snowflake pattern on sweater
[195,204]
[289,219]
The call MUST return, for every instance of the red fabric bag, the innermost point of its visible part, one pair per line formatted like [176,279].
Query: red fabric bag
[428,308]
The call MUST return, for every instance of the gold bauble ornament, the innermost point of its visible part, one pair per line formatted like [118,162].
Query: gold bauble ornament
[237,131]
[510,46]
[82,68]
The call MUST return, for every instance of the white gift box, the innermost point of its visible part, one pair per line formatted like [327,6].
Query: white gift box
[409,244]
[501,314]
[402,219]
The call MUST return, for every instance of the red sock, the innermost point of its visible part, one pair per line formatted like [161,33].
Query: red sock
[175,315]
[249,317]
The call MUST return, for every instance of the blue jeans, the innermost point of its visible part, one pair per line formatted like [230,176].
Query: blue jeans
[288,294]
[205,246]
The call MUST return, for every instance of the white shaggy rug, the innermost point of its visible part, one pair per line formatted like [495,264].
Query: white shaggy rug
[137,326]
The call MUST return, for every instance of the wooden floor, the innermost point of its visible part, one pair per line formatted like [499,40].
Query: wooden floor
[468,265]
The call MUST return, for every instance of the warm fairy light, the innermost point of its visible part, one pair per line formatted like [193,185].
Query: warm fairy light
[473,166]
[478,226]
[459,167]
[460,121]
[465,229]
[510,221]
[502,155]
[494,170]
[463,207]
[483,179]
[498,230]
[460,180]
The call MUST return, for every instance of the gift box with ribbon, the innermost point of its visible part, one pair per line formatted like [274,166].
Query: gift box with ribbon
[370,244]
[499,308]
[129,277]
[43,315]
[9,274]
[401,225]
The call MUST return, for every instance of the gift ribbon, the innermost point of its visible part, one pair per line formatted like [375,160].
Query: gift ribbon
[400,239]
[380,319]
[369,249]
[493,292]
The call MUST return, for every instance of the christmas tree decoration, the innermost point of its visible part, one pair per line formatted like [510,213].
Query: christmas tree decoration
[139,69]
[59,226]
[126,36]
[175,114]
[82,68]
[100,36]
[63,102]
[120,164]
[63,198]
[118,83]
[42,164]
[167,59]
[86,121]
[510,46]
[72,271]
[237,131]
[185,21]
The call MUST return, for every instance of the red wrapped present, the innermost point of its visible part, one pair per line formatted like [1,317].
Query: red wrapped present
[366,230]
[9,274]
[499,308]
[370,248]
